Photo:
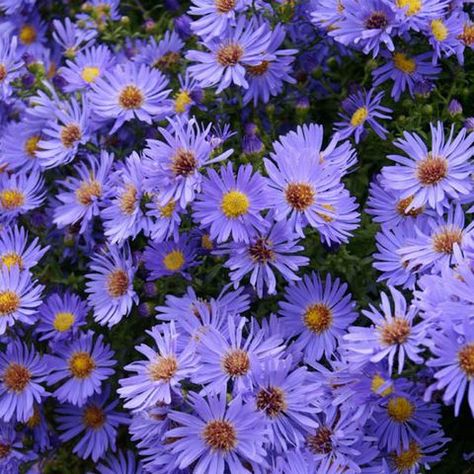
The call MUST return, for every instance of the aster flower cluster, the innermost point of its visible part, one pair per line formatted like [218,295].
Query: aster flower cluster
[236,236]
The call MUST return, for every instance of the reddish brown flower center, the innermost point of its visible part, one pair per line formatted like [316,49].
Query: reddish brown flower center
[94,417]
[184,163]
[432,170]
[70,134]
[224,6]
[128,200]
[443,242]
[259,69]
[261,250]
[5,450]
[229,55]
[131,97]
[117,283]
[376,20]
[466,360]
[300,196]
[320,442]
[402,205]
[220,435]
[16,377]
[272,401]
[3,72]
[236,363]
[395,332]
[167,61]
[163,369]
[467,36]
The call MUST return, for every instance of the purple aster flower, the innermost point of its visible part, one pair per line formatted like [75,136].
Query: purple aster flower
[82,195]
[415,14]
[393,332]
[405,71]
[110,285]
[215,17]
[317,314]
[87,66]
[229,205]
[12,452]
[170,258]
[96,422]
[71,38]
[271,250]
[61,316]
[165,219]
[362,109]
[10,7]
[283,394]
[431,176]
[81,366]
[235,357]
[20,193]
[38,429]
[10,64]
[367,26]
[161,373]
[266,79]
[444,36]
[123,463]
[21,372]
[15,250]
[164,55]
[453,359]
[441,242]
[63,135]
[189,94]
[123,217]
[229,54]
[217,435]
[173,166]
[19,297]
[404,417]
[130,91]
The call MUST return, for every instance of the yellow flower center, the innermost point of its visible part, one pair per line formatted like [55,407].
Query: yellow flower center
[9,302]
[407,459]
[87,191]
[167,210]
[182,100]
[439,30]
[28,34]
[404,63]
[12,258]
[31,145]
[359,116]
[81,365]
[235,204]
[400,409]
[90,73]
[318,317]
[63,321]
[128,200]
[377,382]
[466,360]
[412,6]
[11,199]
[174,261]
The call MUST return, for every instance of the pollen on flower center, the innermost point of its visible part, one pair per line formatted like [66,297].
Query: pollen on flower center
[359,116]
[181,101]
[404,63]
[81,365]
[229,55]
[128,200]
[376,21]
[400,409]
[94,417]
[318,317]
[220,435]
[131,97]
[5,450]
[117,283]
[11,199]
[412,6]
[466,360]
[320,442]
[406,460]
[168,209]
[12,258]
[377,382]
[439,30]
[174,260]
[259,69]
[87,191]
[402,205]
[3,72]
[28,34]
[235,204]
[300,196]
[63,321]
[444,241]
[431,170]
[261,251]
[90,73]
[467,36]
[236,363]
[395,332]
[184,162]
[272,401]
[163,369]
[70,134]
[16,377]
[31,145]
[224,6]
[9,302]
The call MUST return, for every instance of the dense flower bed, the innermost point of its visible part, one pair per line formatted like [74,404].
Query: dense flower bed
[235,236]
